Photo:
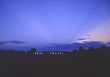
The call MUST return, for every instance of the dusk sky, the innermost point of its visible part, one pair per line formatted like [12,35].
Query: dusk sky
[31,23]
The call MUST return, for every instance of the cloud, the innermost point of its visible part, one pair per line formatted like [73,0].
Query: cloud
[12,42]
[93,44]
[108,43]
[83,38]
[75,45]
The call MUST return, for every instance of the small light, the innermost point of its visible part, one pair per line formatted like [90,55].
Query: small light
[35,53]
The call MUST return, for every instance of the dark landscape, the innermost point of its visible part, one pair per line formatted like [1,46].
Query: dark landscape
[91,62]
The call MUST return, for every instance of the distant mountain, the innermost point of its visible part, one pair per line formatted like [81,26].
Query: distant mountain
[108,44]
[93,44]
[70,47]
[61,47]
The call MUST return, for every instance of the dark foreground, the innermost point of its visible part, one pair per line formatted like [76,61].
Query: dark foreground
[54,66]
[82,63]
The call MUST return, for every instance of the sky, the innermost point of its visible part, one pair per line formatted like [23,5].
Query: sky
[31,23]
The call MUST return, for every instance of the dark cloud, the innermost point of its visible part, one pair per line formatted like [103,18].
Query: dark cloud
[17,42]
[76,45]
[13,42]
[108,43]
[83,38]
[93,44]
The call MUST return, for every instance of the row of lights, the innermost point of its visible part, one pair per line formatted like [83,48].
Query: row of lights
[49,53]
[56,53]
[38,53]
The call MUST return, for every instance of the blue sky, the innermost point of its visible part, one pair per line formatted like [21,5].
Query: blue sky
[42,22]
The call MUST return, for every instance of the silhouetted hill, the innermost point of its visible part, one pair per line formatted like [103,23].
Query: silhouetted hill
[70,47]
